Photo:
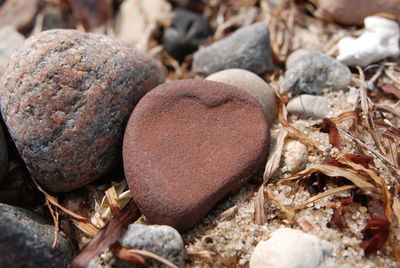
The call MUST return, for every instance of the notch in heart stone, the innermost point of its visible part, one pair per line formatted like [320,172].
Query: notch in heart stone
[188,144]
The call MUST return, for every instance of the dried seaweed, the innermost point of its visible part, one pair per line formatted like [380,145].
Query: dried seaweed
[108,235]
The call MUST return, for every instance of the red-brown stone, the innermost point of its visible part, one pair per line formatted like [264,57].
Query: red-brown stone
[66,97]
[188,144]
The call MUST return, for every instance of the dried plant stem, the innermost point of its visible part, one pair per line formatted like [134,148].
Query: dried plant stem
[337,190]
[270,168]
[153,256]
[107,235]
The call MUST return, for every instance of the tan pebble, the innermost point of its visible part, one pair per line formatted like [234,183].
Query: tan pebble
[295,156]
[253,85]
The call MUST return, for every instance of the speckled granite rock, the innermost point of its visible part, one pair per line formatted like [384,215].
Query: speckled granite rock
[26,241]
[188,144]
[354,11]
[162,240]
[254,85]
[247,48]
[66,97]
[315,72]
[19,14]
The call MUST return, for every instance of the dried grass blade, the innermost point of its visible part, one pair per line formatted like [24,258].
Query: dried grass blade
[294,132]
[85,224]
[270,168]
[396,208]
[376,153]
[335,191]
[54,214]
[378,180]
[289,212]
[129,257]
[112,197]
[343,117]
[150,255]
[107,235]
[333,171]
[367,113]
[388,109]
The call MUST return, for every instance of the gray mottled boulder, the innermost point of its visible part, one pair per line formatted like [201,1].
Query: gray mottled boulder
[66,97]
[295,56]
[314,73]
[162,240]
[26,241]
[247,48]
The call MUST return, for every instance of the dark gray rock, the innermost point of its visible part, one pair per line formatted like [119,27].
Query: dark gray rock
[162,240]
[3,155]
[54,19]
[187,32]
[26,241]
[315,73]
[247,48]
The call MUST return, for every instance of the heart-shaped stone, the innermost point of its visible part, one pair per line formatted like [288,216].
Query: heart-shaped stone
[188,144]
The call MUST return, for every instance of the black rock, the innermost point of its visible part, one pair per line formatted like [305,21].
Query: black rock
[187,32]
[54,19]
[26,241]
[3,155]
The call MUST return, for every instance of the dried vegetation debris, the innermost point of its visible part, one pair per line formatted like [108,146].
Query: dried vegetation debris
[349,191]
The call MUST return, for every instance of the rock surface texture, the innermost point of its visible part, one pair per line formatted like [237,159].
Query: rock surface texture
[247,48]
[252,84]
[26,241]
[354,11]
[314,73]
[295,156]
[305,106]
[66,97]
[162,240]
[295,56]
[187,32]
[289,248]
[188,144]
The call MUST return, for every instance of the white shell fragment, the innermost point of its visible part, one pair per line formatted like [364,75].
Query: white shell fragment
[306,105]
[381,40]
[289,248]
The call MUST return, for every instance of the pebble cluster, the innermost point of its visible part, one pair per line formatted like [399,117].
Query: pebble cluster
[76,105]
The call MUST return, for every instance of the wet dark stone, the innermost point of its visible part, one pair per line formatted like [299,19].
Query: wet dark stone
[188,31]
[26,241]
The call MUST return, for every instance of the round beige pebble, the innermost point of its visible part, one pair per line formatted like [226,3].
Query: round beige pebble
[253,85]
[295,156]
